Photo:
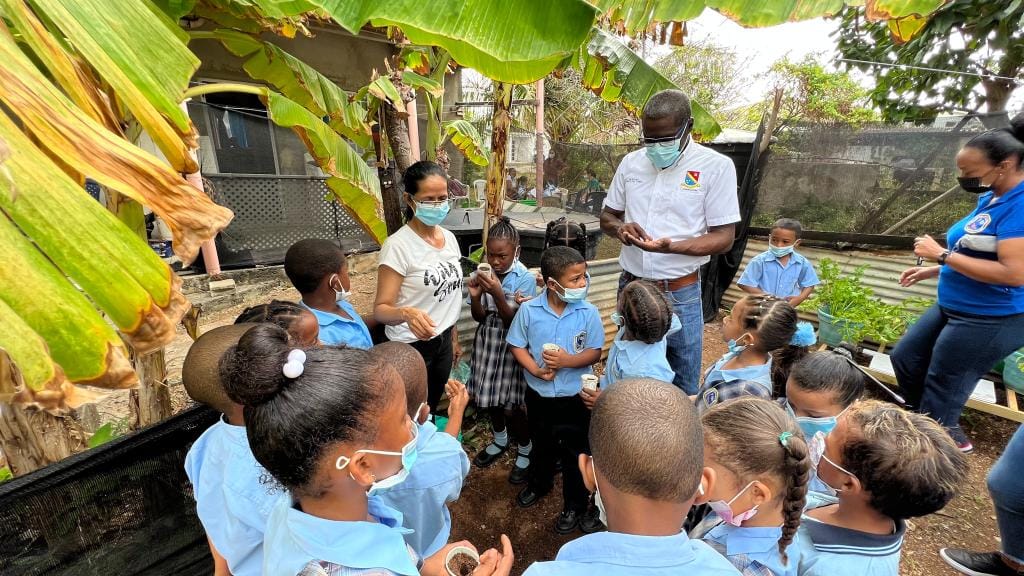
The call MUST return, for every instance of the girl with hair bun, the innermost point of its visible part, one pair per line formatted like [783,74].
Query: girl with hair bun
[331,426]
[979,316]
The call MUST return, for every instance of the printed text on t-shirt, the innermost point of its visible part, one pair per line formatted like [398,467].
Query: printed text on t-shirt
[445,277]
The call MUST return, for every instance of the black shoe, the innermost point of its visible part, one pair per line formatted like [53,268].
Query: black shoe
[483,459]
[567,522]
[977,563]
[591,521]
[518,475]
[527,497]
[558,465]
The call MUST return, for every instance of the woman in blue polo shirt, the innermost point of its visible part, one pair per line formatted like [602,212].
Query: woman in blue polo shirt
[979,317]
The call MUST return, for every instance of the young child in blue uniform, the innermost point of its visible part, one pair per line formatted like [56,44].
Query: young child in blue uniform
[231,502]
[885,465]
[780,271]
[761,467]
[821,387]
[300,323]
[331,425]
[755,327]
[559,420]
[497,384]
[645,320]
[643,488]
[319,271]
[441,463]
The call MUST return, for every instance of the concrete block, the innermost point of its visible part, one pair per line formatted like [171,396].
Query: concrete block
[226,285]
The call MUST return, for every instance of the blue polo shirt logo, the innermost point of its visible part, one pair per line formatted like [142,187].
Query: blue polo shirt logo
[978,223]
[711,397]
[579,342]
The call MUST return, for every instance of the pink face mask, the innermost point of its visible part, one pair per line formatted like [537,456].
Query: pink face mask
[724,510]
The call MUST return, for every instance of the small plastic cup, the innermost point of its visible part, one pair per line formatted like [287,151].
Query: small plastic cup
[483,269]
[551,347]
[589,382]
[457,550]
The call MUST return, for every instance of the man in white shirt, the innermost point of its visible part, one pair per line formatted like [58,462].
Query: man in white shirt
[672,204]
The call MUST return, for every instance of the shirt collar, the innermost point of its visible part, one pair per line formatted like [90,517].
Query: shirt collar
[739,540]
[745,373]
[630,550]
[541,301]
[793,257]
[839,540]
[516,271]
[361,544]
[424,435]
[237,434]
[1015,191]
[325,318]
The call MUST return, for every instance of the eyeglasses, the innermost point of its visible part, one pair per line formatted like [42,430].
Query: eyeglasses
[666,142]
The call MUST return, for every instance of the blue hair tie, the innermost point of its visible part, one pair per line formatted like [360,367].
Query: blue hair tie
[804,335]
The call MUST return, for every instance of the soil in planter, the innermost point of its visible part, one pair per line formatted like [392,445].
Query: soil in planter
[462,564]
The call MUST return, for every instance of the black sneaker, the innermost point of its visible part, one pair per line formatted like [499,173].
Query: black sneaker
[591,521]
[977,563]
[484,459]
[567,522]
[558,465]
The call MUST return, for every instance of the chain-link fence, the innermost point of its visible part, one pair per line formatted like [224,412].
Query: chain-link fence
[865,179]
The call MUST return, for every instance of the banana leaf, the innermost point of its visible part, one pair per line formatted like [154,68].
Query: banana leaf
[516,41]
[28,352]
[80,340]
[301,83]
[385,90]
[467,139]
[353,182]
[105,259]
[142,55]
[428,85]
[617,74]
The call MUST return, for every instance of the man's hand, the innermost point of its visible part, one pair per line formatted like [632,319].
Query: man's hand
[660,245]
[631,233]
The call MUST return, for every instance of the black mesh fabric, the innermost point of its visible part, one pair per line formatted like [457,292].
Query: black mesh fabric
[123,508]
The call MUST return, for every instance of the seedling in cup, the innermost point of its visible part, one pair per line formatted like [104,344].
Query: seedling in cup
[589,382]
[483,269]
[461,561]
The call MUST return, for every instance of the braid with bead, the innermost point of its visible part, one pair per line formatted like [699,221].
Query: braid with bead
[646,311]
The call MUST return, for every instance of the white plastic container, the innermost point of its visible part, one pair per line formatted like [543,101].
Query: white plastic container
[589,382]
[483,269]
[451,554]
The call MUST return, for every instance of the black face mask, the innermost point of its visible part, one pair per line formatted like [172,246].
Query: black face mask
[973,184]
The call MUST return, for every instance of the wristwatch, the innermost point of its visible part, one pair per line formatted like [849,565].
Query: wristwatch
[942,257]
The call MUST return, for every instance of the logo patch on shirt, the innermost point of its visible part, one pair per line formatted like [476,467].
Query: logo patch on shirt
[979,223]
[691,181]
[711,397]
[579,342]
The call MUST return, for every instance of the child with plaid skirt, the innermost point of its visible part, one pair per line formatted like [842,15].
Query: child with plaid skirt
[497,384]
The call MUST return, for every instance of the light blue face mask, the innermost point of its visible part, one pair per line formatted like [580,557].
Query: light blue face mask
[812,426]
[664,154]
[431,214]
[572,295]
[734,346]
[409,455]
[780,252]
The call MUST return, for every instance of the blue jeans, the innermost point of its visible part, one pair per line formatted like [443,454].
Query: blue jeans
[940,359]
[685,346]
[1006,485]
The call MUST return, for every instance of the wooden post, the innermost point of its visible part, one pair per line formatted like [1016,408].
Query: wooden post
[499,145]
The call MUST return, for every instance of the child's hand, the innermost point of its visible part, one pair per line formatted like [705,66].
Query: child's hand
[494,563]
[434,566]
[475,289]
[555,359]
[458,396]
[590,397]
[544,374]
[490,285]
[520,298]
[540,280]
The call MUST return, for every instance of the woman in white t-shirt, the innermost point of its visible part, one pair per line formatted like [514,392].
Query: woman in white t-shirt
[419,279]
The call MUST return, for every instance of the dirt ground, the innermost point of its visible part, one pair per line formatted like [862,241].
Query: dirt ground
[487,508]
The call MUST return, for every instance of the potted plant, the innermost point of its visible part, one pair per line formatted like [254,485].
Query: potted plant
[1013,371]
[849,311]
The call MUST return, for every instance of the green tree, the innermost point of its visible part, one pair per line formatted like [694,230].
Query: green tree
[709,73]
[981,38]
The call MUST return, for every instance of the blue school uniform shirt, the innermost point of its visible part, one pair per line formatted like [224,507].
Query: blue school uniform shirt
[517,279]
[618,554]
[635,359]
[766,272]
[977,236]
[754,551]
[334,329]
[722,384]
[436,479]
[579,328]
[827,550]
[297,542]
[231,502]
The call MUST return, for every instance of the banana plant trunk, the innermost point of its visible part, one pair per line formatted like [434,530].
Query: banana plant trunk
[151,401]
[397,131]
[499,145]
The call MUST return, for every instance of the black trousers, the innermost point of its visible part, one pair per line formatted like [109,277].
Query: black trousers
[558,427]
[437,353]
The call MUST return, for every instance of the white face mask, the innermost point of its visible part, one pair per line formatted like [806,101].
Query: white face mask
[409,455]
[602,514]
[339,295]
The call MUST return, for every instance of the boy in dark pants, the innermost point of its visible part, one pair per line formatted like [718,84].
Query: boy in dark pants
[560,317]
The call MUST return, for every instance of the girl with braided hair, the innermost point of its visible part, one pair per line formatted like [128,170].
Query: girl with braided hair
[756,326]
[301,325]
[645,319]
[760,467]
[496,383]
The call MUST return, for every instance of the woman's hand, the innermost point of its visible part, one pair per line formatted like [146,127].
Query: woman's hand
[926,247]
[420,323]
[913,275]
